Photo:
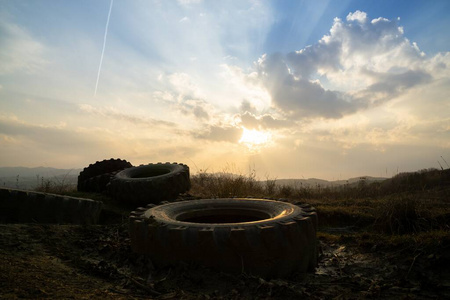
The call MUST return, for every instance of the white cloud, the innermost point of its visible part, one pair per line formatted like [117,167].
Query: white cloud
[184,85]
[19,51]
[119,116]
[358,65]
[359,16]
[184,19]
[188,2]
[242,86]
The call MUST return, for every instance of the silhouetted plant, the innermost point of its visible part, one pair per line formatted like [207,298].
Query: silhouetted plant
[399,215]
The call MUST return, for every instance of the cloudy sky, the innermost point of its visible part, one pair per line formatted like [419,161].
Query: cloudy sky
[290,89]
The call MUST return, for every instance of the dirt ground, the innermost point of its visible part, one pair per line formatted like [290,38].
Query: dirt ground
[95,262]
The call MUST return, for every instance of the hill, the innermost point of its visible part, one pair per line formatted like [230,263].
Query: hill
[30,178]
[315,182]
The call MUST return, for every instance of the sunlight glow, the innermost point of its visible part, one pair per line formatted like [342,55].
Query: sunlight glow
[254,138]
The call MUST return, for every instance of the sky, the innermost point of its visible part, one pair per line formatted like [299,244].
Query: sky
[282,89]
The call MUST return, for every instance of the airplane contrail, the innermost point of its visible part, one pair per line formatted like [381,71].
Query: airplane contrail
[103,50]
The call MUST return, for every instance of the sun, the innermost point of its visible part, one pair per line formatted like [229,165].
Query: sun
[254,138]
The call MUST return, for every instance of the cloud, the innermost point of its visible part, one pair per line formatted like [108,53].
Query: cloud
[247,106]
[112,113]
[220,133]
[184,19]
[388,86]
[188,2]
[244,89]
[184,85]
[250,121]
[52,138]
[359,16]
[359,64]
[299,97]
[197,108]
[18,50]
[184,95]
[63,145]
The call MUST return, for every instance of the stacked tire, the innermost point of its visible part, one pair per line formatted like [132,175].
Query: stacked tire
[152,183]
[97,176]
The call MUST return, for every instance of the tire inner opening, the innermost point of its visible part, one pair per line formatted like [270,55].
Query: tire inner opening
[149,173]
[224,216]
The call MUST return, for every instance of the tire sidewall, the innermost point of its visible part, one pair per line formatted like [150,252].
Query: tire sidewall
[277,246]
[150,183]
[128,173]
[279,211]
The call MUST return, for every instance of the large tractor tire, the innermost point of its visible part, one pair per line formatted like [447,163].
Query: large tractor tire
[96,177]
[17,206]
[150,183]
[260,237]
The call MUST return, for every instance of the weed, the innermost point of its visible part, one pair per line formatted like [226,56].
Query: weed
[225,185]
[56,185]
[364,205]
[270,186]
[399,216]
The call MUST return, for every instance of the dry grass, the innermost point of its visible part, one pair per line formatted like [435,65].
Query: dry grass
[221,185]
[399,216]
[388,207]
[55,185]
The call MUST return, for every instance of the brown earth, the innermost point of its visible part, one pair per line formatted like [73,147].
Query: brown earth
[95,262]
[39,261]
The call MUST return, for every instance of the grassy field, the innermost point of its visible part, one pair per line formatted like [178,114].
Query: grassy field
[386,239]
[405,204]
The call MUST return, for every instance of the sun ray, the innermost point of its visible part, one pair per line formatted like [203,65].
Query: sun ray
[255,139]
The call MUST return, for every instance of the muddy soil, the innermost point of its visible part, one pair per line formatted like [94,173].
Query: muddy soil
[95,262]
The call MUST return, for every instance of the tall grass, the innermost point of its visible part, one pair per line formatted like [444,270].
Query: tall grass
[406,204]
[226,184]
[231,185]
[400,215]
[214,185]
[56,185]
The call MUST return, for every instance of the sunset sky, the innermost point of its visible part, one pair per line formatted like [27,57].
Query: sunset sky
[290,89]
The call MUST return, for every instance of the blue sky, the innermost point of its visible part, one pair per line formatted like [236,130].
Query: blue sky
[329,89]
[303,23]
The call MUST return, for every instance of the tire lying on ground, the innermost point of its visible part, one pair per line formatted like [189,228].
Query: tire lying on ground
[17,206]
[96,176]
[150,183]
[264,238]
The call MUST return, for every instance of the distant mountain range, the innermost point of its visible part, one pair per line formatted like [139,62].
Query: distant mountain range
[41,171]
[30,178]
[314,182]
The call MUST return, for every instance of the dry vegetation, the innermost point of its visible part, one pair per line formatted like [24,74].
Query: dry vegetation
[405,204]
[388,239]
